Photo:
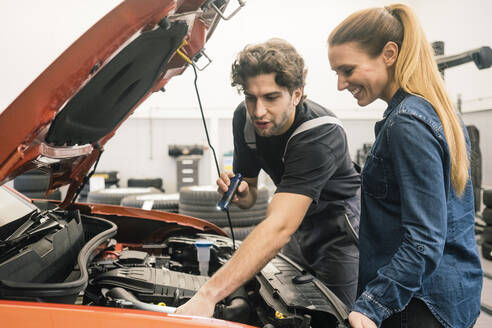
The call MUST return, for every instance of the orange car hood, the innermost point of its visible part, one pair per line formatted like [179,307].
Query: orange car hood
[62,120]
[75,316]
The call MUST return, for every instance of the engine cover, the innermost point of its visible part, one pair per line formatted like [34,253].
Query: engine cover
[153,284]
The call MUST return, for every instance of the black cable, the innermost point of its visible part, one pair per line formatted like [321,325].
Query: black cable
[213,151]
[486,309]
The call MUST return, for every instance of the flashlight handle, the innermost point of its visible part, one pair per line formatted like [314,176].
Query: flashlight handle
[226,199]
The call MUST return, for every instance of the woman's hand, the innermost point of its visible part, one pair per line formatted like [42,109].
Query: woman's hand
[358,320]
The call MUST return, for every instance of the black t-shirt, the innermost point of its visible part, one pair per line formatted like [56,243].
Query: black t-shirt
[316,164]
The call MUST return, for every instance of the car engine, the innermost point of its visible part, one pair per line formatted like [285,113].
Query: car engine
[167,274]
[66,256]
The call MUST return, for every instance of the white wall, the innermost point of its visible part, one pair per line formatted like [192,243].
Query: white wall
[462,25]
[34,32]
[133,154]
[136,152]
[141,151]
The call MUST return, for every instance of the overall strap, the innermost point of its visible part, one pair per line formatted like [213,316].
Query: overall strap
[311,124]
[250,135]
[249,132]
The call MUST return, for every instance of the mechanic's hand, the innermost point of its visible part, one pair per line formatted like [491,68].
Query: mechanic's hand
[223,183]
[197,306]
[358,320]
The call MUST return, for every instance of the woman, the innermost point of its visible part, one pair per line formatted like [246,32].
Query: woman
[419,263]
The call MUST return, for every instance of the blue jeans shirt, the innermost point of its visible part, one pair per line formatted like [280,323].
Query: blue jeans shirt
[416,235]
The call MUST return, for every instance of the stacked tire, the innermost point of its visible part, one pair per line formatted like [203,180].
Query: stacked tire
[83,193]
[475,163]
[156,201]
[487,218]
[145,182]
[201,202]
[111,180]
[34,184]
[361,155]
[113,196]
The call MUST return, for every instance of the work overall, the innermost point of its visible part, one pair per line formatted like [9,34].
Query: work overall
[325,242]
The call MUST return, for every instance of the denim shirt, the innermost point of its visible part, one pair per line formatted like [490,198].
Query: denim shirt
[417,236]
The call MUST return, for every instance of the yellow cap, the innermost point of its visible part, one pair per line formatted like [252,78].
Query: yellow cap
[186,58]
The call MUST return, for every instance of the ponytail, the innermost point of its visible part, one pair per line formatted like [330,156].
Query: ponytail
[415,69]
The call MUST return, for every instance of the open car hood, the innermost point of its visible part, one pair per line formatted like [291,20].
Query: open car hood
[61,121]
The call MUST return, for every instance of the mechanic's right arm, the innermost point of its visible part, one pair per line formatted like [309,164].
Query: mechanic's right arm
[246,193]
[284,215]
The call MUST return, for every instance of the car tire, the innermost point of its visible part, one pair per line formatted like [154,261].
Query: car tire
[160,201]
[475,163]
[240,233]
[487,234]
[487,197]
[487,251]
[110,178]
[113,196]
[55,195]
[155,182]
[82,198]
[206,195]
[85,190]
[201,202]
[213,208]
[32,182]
[199,195]
[487,215]
[34,172]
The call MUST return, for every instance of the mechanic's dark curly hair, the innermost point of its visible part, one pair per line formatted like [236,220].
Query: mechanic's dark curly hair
[273,56]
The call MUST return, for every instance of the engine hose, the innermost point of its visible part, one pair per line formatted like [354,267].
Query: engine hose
[123,294]
[237,307]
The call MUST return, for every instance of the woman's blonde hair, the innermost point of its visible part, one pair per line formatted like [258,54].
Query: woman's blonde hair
[415,69]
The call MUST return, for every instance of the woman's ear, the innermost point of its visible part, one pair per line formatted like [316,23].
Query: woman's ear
[390,53]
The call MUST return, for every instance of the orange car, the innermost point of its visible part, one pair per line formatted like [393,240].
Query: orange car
[68,264]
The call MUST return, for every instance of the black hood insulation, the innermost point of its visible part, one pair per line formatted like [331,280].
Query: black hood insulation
[107,98]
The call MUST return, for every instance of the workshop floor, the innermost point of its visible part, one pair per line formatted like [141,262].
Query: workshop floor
[485,320]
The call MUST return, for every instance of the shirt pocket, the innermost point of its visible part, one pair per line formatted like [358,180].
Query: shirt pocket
[374,177]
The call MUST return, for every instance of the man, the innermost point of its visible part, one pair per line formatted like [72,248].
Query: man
[303,148]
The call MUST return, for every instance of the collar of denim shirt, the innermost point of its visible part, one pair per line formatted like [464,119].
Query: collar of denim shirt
[395,101]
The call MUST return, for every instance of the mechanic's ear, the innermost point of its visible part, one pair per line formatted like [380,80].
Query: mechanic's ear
[297,95]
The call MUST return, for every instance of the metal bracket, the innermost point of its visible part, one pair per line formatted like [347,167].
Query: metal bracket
[481,56]
[242,3]
[197,56]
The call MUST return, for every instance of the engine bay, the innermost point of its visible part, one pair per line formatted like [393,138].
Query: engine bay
[167,274]
[65,256]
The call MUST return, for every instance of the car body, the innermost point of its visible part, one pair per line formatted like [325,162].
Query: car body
[92,265]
